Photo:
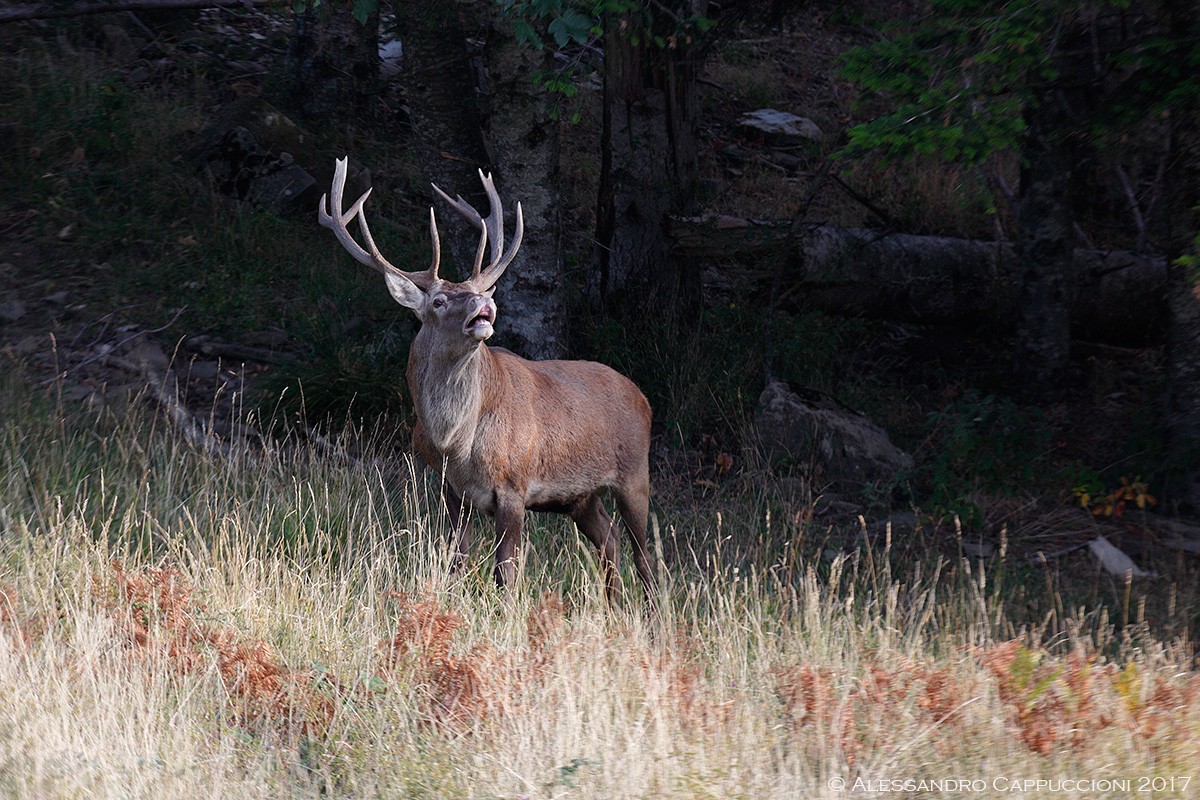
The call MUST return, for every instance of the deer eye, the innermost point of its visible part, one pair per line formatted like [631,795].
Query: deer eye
[438,302]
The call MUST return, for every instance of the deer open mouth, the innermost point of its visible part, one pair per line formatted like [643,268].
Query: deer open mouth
[479,327]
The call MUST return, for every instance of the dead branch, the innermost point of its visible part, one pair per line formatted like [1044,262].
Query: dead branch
[1131,198]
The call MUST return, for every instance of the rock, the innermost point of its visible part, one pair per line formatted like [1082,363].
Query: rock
[11,310]
[255,153]
[779,127]
[120,45]
[832,509]
[150,356]
[978,549]
[849,450]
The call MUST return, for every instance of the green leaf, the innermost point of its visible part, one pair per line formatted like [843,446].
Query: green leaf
[559,31]
[363,10]
[526,34]
[578,26]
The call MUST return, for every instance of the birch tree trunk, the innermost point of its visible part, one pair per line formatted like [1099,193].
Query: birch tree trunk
[477,107]
[440,82]
[522,140]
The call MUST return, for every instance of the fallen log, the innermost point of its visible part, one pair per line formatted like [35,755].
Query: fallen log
[55,9]
[1119,296]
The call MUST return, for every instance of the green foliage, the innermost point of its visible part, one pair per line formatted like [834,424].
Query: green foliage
[575,26]
[565,22]
[959,79]
[360,9]
[981,443]
[1163,73]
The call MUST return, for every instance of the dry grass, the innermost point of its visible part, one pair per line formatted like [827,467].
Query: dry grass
[280,625]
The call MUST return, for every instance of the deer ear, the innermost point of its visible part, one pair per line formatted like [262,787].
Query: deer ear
[404,291]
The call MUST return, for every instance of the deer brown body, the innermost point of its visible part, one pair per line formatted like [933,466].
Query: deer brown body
[508,434]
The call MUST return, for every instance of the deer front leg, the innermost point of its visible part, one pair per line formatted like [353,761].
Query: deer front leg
[460,531]
[510,516]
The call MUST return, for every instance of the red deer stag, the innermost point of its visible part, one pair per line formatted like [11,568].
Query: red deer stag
[507,434]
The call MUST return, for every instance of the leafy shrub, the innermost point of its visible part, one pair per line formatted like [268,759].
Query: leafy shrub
[981,443]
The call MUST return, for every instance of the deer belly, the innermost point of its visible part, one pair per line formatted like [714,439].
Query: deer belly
[566,491]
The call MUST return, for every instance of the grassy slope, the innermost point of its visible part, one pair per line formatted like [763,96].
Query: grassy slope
[280,624]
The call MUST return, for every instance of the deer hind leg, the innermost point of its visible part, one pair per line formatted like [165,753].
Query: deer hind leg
[634,505]
[598,527]
[510,517]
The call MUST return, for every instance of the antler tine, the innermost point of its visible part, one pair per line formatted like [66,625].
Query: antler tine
[337,222]
[497,268]
[483,240]
[461,206]
[482,278]
[495,218]
[437,243]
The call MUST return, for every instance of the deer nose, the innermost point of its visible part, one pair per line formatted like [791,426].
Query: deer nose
[483,317]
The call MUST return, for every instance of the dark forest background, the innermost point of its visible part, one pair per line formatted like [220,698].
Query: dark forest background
[973,225]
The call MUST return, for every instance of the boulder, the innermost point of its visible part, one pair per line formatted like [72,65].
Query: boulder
[253,152]
[779,127]
[846,450]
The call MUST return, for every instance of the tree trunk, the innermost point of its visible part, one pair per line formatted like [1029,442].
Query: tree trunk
[523,142]
[1046,244]
[440,82]
[648,162]
[479,108]
[333,62]
[1183,292]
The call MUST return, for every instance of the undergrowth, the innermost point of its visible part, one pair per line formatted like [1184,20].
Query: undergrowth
[281,622]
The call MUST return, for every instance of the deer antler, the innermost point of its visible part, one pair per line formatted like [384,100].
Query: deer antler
[483,279]
[338,221]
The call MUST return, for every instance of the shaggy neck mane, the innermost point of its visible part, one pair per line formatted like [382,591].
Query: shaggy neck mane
[447,388]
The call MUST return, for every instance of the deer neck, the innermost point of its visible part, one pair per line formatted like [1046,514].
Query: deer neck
[447,386]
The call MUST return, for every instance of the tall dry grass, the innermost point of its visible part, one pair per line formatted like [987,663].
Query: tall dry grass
[281,624]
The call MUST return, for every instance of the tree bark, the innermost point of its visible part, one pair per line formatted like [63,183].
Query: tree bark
[1046,244]
[522,140]
[648,162]
[478,108]
[1183,292]
[440,84]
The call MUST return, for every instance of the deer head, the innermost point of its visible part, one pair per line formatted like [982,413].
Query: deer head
[460,313]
